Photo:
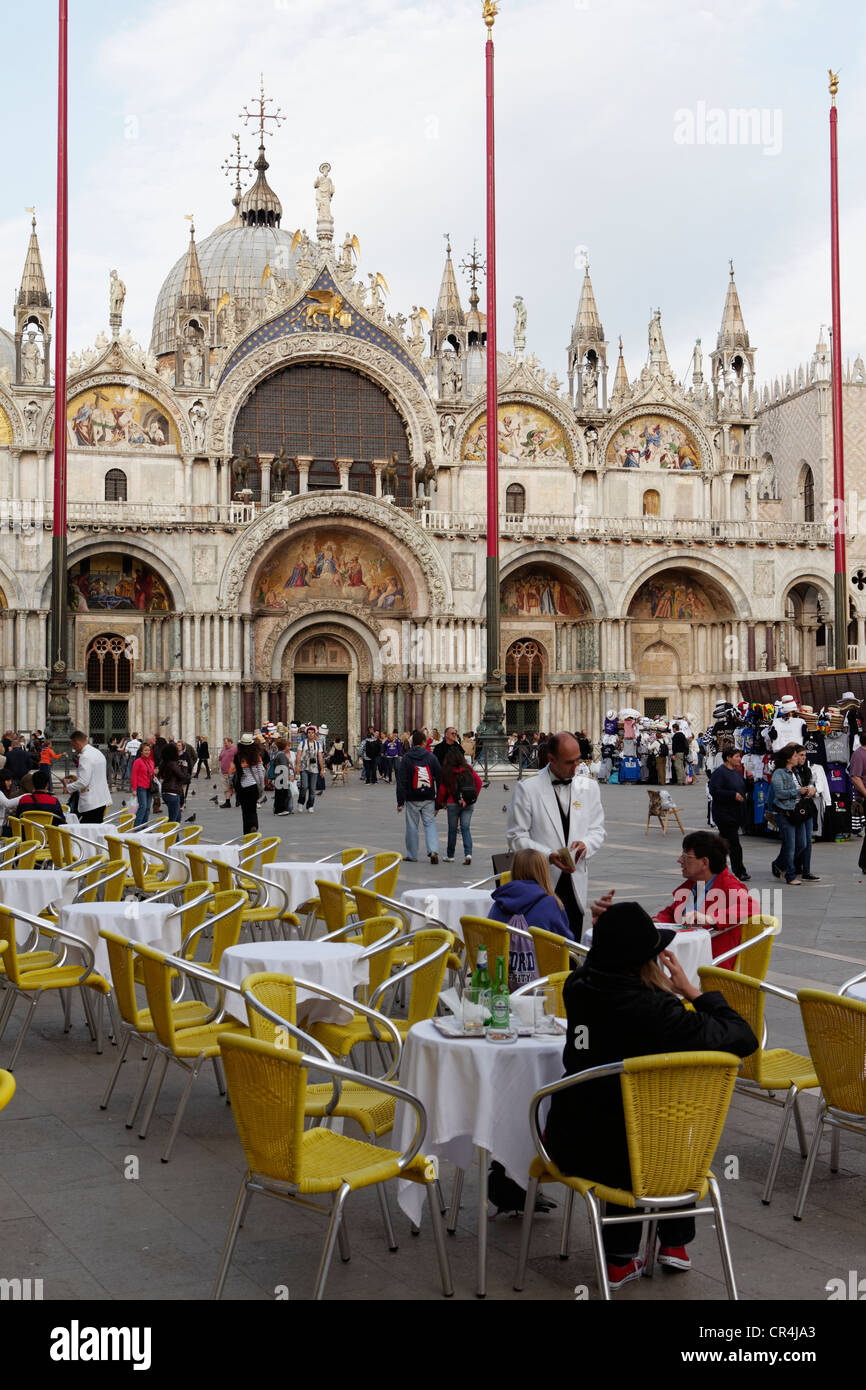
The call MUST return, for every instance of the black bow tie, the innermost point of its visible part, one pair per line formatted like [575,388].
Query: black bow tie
[560,782]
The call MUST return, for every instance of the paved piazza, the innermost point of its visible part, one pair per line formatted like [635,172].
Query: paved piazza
[71,1218]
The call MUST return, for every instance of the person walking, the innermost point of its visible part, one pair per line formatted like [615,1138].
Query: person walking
[17,759]
[284,777]
[141,782]
[450,740]
[803,861]
[130,753]
[417,785]
[792,811]
[249,781]
[679,750]
[390,759]
[227,756]
[310,766]
[372,751]
[458,793]
[90,780]
[729,790]
[202,753]
[174,776]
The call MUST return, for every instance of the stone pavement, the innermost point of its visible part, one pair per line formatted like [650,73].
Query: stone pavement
[70,1216]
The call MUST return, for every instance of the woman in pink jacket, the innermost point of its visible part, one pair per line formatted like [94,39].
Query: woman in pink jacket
[140,781]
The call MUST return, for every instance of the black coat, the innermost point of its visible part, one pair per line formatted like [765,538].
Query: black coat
[724,784]
[624,1018]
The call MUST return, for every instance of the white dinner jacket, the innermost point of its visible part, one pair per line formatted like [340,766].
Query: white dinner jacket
[534,821]
[91,780]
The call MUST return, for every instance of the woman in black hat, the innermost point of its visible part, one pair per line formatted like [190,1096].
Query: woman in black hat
[620,1004]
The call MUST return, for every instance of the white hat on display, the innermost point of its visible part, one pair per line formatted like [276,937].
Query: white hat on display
[787,705]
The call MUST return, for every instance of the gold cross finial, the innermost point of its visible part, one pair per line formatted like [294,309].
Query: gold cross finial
[261,116]
[473,266]
[834,84]
[237,166]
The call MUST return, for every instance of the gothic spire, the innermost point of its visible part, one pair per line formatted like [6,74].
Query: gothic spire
[587,325]
[192,290]
[449,310]
[732,333]
[33,289]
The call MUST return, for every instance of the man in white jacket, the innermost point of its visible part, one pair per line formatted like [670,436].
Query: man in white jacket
[90,780]
[556,810]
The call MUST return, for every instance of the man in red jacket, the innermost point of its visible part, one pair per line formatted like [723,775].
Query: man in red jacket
[710,895]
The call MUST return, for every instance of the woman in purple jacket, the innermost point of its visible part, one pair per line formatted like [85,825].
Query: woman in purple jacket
[530,894]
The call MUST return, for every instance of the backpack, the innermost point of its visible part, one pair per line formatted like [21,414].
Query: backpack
[422,782]
[465,790]
[522,965]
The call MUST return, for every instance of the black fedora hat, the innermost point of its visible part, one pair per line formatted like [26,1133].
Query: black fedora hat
[625,937]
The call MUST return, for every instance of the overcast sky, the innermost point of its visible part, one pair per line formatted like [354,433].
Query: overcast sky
[614,133]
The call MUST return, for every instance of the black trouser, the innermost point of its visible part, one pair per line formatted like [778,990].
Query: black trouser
[202,762]
[282,800]
[92,817]
[730,831]
[248,798]
[370,770]
[386,768]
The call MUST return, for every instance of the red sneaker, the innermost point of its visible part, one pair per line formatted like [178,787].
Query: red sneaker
[674,1256]
[617,1275]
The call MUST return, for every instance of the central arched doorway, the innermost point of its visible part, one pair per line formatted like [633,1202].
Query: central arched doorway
[321,667]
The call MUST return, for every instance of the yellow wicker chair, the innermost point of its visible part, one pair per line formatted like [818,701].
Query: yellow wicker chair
[268,903]
[7,1080]
[426,972]
[25,856]
[675,1107]
[104,883]
[495,936]
[752,956]
[386,869]
[272,1013]
[557,979]
[33,826]
[268,1088]
[554,953]
[371,933]
[136,1022]
[836,1033]
[173,872]
[125,821]
[263,853]
[222,916]
[188,835]
[767,1070]
[189,1047]
[337,903]
[353,861]
[199,866]
[224,875]
[370,904]
[31,984]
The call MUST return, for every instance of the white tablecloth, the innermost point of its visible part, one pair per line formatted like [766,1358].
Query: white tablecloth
[228,854]
[96,836]
[298,877]
[32,890]
[476,1093]
[334,964]
[448,904]
[145,922]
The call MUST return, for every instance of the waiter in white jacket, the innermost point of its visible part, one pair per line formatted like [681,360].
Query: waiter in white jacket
[90,780]
[556,810]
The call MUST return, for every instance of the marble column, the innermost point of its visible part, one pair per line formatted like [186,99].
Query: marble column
[265,461]
[304,464]
[343,467]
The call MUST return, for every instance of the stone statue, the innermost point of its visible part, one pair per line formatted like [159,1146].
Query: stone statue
[591,437]
[31,415]
[351,247]
[73,363]
[859,369]
[554,385]
[448,427]
[193,365]
[455,378]
[240,474]
[100,342]
[376,301]
[590,382]
[116,296]
[425,477]
[697,363]
[389,477]
[416,318]
[519,325]
[198,420]
[324,187]
[279,473]
[655,337]
[31,359]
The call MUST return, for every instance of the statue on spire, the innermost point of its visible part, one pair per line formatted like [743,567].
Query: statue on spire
[116,298]
[519,327]
[324,187]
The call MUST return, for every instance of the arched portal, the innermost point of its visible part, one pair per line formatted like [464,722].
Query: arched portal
[681,623]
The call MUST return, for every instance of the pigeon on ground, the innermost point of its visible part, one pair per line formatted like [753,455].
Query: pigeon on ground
[189,818]
[215,800]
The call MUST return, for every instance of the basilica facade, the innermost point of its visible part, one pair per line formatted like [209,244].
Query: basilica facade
[277,510]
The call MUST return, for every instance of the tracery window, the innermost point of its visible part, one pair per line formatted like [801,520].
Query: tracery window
[115,485]
[109,666]
[515,500]
[524,668]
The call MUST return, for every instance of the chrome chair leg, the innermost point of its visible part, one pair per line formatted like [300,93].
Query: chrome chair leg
[337,1202]
[25,1028]
[121,1058]
[835,1136]
[810,1161]
[390,1238]
[526,1234]
[801,1133]
[154,1095]
[135,1103]
[481,1278]
[194,1071]
[598,1244]
[343,1240]
[454,1209]
[220,1075]
[566,1223]
[790,1102]
[66,996]
[650,1249]
[439,1238]
[724,1247]
[231,1238]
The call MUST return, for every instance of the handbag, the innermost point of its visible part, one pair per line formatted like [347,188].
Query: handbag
[799,814]
[320,782]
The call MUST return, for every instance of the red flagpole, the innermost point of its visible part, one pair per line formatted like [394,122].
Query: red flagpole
[840,562]
[492,726]
[57,722]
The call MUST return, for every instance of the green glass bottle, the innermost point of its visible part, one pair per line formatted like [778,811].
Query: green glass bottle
[481,983]
[500,1015]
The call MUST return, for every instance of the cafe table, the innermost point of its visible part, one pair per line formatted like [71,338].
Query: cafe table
[335,964]
[449,904]
[32,890]
[476,1094]
[149,924]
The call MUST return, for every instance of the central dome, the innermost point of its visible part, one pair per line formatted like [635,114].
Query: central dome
[233,259]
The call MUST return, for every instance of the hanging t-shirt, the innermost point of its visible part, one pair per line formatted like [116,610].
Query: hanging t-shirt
[816,747]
